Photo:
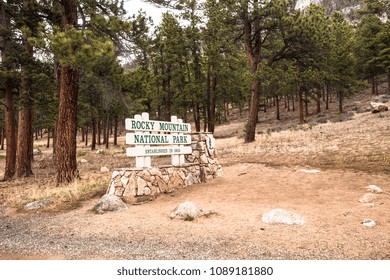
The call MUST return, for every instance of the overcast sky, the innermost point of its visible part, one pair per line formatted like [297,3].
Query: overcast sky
[133,6]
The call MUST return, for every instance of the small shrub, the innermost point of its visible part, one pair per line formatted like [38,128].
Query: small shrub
[189,218]
[81,153]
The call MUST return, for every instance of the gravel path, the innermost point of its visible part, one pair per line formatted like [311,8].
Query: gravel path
[327,201]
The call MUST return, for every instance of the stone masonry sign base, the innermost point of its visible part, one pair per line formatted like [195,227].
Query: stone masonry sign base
[135,185]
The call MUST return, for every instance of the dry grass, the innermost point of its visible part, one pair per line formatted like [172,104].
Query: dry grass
[355,141]
[360,144]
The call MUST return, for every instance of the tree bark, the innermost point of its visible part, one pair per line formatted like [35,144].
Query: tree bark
[327,97]
[66,164]
[48,138]
[300,104]
[86,136]
[9,118]
[253,113]
[277,108]
[2,138]
[94,132]
[253,44]
[341,97]
[25,128]
[196,114]
[116,130]
[373,86]
[99,131]
[10,132]
[107,131]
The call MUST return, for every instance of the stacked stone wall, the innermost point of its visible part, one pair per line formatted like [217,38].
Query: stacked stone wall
[136,185]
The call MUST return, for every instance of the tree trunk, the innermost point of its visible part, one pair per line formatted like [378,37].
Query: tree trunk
[104,132]
[116,130]
[300,104]
[2,138]
[86,136]
[213,102]
[373,86]
[306,105]
[340,102]
[25,129]
[196,114]
[388,81]
[99,131]
[107,131]
[94,132]
[327,97]
[318,101]
[277,108]
[48,138]
[253,113]
[9,118]
[66,164]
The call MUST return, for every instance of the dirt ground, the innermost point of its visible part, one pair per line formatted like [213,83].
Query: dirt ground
[350,153]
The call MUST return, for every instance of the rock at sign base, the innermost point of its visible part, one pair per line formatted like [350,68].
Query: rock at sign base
[374,189]
[38,204]
[368,223]
[109,202]
[280,216]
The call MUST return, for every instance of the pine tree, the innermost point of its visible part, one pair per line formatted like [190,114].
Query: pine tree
[7,68]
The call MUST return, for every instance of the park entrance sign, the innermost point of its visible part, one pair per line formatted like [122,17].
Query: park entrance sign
[155,138]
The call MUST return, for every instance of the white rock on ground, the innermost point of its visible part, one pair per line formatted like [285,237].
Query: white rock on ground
[374,189]
[104,169]
[38,204]
[109,202]
[368,223]
[282,216]
[189,210]
[310,170]
[368,197]
[83,160]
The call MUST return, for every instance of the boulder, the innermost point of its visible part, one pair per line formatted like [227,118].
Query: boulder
[189,211]
[368,223]
[368,197]
[282,216]
[374,189]
[109,202]
[38,204]
[378,107]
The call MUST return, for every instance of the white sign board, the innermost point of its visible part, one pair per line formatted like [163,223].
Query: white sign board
[145,141]
[158,151]
[157,139]
[157,126]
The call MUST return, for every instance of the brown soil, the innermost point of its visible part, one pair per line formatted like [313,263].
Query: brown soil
[267,174]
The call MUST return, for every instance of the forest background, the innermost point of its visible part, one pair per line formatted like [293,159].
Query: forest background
[70,67]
